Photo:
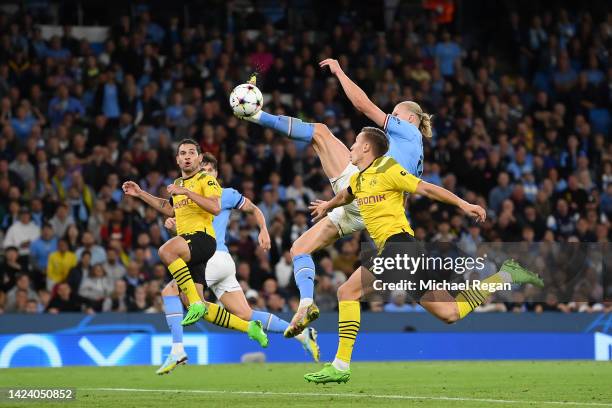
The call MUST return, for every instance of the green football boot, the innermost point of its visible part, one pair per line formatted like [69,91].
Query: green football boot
[328,374]
[196,312]
[520,274]
[256,332]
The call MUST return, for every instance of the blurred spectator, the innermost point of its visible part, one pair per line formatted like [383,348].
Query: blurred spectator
[81,271]
[139,302]
[98,255]
[42,247]
[325,293]
[67,301]
[118,300]
[398,302]
[96,286]
[61,220]
[9,269]
[22,233]
[60,263]
[17,297]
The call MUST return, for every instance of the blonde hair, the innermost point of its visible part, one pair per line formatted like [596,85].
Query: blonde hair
[424,118]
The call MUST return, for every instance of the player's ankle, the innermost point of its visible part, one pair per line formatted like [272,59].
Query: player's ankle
[305,302]
[177,348]
[340,365]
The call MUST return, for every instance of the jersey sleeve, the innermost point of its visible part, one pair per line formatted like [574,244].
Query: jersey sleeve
[399,179]
[397,128]
[210,187]
[353,183]
[231,199]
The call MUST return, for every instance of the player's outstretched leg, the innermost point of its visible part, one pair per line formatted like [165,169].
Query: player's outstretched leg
[349,321]
[173,309]
[334,155]
[442,305]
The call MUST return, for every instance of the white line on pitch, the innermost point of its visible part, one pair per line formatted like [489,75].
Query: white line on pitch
[352,395]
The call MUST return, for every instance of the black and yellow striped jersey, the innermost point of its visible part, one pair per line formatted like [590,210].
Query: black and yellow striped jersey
[379,191]
[190,217]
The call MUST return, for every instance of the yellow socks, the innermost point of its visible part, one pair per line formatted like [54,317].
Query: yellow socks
[349,318]
[221,317]
[468,300]
[182,276]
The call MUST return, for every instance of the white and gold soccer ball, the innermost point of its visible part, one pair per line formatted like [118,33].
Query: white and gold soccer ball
[246,100]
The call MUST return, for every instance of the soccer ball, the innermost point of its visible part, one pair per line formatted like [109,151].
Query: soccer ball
[246,100]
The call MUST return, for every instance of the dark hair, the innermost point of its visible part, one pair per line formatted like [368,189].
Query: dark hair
[377,138]
[191,142]
[210,158]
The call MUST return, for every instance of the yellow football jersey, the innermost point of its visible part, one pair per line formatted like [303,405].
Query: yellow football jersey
[379,191]
[190,217]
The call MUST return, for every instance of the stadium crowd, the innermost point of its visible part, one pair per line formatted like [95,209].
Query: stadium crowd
[525,134]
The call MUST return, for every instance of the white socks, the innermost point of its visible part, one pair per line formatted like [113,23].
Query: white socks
[305,302]
[340,365]
[177,348]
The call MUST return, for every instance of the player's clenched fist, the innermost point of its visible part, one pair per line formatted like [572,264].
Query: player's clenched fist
[170,223]
[132,189]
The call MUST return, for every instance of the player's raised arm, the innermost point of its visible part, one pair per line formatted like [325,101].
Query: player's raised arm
[160,204]
[441,194]
[211,204]
[264,236]
[320,208]
[356,95]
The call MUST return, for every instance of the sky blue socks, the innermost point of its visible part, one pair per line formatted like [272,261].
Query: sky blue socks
[287,125]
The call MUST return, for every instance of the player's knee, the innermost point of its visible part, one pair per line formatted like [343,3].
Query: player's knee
[449,316]
[296,249]
[165,254]
[345,292]
[321,130]
[170,289]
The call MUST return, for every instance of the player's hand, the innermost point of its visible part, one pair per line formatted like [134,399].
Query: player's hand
[177,190]
[170,223]
[476,212]
[264,240]
[334,65]
[318,209]
[132,189]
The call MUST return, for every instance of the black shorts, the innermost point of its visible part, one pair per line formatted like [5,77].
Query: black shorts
[202,247]
[198,273]
[399,244]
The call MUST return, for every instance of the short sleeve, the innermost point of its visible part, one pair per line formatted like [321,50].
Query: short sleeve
[397,128]
[210,187]
[353,182]
[399,179]
[231,199]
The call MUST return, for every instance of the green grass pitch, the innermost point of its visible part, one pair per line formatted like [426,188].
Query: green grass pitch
[409,384]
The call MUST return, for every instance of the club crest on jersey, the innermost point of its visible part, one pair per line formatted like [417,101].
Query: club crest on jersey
[373,182]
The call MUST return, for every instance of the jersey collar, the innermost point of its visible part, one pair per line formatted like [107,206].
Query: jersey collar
[375,163]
